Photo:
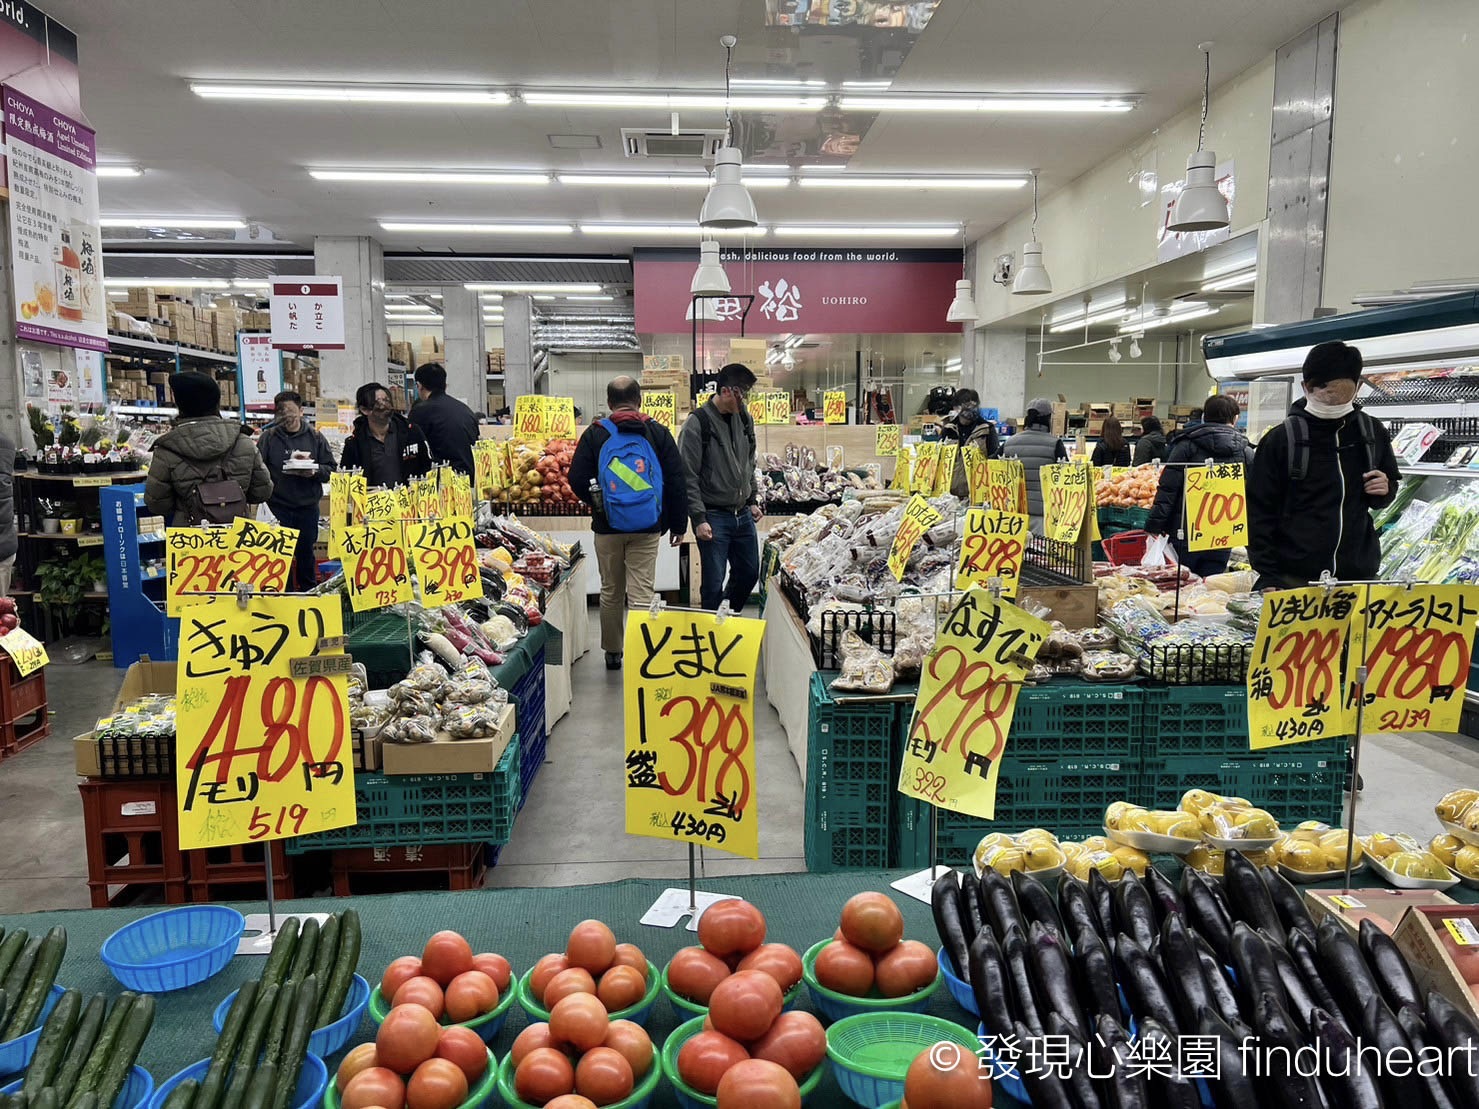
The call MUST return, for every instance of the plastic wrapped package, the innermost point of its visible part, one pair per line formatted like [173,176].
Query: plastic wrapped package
[814,623]
[1108,666]
[426,676]
[1096,639]
[461,691]
[1061,644]
[419,728]
[407,701]
[865,669]
[470,721]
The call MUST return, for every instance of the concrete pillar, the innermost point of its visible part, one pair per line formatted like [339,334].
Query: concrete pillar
[12,403]
[361,263]
[518,347]
[1003,373]
[463,338]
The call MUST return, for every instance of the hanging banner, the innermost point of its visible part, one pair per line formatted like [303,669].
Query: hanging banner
[1295,680]
[1216,507]
[926,468]
[56,239]
[559,417]
[690,729]
[662,406]
[903,469]
[1418,641]
[886,440]
[919,517]
[209,560]
[967,696]
[992,547]
[25,650]
[834,406]
[375,569]
[1065,498]
[446,561]
[308,313]
[945,473]
[263,721]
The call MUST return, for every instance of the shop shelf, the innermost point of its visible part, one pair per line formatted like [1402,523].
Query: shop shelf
[1304,782]
[380,645]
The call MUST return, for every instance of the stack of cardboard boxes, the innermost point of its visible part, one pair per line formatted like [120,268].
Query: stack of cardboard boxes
[404,354]
[301,376]
[1128,413]
[131,384]
[666,371]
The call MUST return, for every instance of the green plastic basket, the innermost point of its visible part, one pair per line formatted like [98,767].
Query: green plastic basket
[683,1008]
[637,1013]
[641,1093]
[834,1006]
[476,1094]
[871,1052]
[687,1094]
[487,1026]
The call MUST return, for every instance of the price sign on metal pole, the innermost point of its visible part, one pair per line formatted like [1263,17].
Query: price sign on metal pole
[992,547]
[886,440]
[1065,497]
[1216,507]
[662,406]
[1418,642]
[446,560]
[375,565]
[1296,680]
[919,517]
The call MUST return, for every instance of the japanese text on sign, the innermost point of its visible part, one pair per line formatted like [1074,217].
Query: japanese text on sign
[919,517]
[375,567]
[272,757]
[945,473]
[690,729]
[487,465]
[992,548]
[1295,680]
[559,417]
[529,416]
[1065,498]
[216,560]
[977,475]
[903,466]
[381,504]
[1216,507]
[926,466]
[967,697]
[886,440]
[1417,642]
[25,650]
[834,407]
[662,406]
[446,561]
[757,407]
[778,407]
[343,486]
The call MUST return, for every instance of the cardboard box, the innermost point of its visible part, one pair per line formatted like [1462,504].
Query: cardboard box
[448,755]
[663,362]
[749,353]
[1388,904]
[1060,415]
[1125,412]
[1419,936]
[367,748]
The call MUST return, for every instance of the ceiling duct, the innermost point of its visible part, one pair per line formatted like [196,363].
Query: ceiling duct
[639,142]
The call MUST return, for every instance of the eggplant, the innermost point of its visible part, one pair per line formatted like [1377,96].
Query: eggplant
[1233,1088]
[1299,1000]
[1205,913]
[1249,896]
[1345,972]
[1347,1083]
[1101,896]
[1043,1085]
[1166,1091]
[1380,1027]
[999,904]
[945,907]
[972,912]
[1019,979]
[1144,987]
[1079,1082]
[1458,1036]
[1307,962]
[1288,902]
[1054,981]
[1388,966]
[1436,1093]
[1255,967]
[1125,1087]
[1163,896]
[1037,904]
[1276,1028]
[1076,908]
[1219,985]
[988,978]
[1134,914]
[1094,974]
[1183,969]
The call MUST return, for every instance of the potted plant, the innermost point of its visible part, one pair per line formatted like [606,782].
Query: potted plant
[45,435]
[61,589]
[51,516]
[68,436]
[90,568]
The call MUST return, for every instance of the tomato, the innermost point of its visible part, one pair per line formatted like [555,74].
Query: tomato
[464,1047]
[543,1074]
[436,1084]
[567,982]
[471,994]
[630,955]
[620,988]
[592,946]
[730,927]
[544,970]
[579,1020]
[495,967]
[360,1058]
[844,968]
[745,1004]
[422,991]
[532,1036]
[407,1038]
[703,1059]
[694,973]
[796,1041]
[407,966]
[446,956]
[604,1076]
[872,921]
[570,1101]
[373,1086]
[635,1045]
[909,967]
[777,960]
[930,1084]
[758,1084]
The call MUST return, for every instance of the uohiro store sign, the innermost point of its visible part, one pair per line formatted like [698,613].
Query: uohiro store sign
[815,289]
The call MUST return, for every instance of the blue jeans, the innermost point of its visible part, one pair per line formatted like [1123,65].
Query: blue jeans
[305,566]
[735,548]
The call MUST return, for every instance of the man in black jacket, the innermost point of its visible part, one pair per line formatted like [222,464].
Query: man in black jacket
[1316,479]
[627,559]
[449,425]
[1216,439]
[299,461]
[383,444]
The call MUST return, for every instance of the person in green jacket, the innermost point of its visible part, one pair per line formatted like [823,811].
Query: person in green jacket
[201,447]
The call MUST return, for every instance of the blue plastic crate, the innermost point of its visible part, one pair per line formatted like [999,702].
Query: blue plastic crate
[527,695]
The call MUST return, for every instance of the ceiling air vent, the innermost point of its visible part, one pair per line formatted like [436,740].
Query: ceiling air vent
[641,143]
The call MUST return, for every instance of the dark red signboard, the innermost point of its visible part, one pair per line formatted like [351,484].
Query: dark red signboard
[836,290]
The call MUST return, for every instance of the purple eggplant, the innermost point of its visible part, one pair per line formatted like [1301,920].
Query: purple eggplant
[1163,896]
[1134,914]
[988,978]
[1219,985]
[1205,913]
[1101,893]
[1249,896]
[1141,980]
[1076,908]
[1348,1081]
[999,904]
[1380,1027]
[1255,967]
[1388,966]
[1052,977]
[1288,902]
[1233,1088]
[1078,1080]
[972,912]
[1307,962]
[1124,1088]
[1044,1087]
[1453,1031]
[1183,972]
[1094,974]
[1345,971]
[945,904]
[1436,1093]
[1277,1029]
[1166,1091]
[1299,1000]
[1019,979]
[1037,904]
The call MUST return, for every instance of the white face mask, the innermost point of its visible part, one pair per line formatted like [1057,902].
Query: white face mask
[1322,411]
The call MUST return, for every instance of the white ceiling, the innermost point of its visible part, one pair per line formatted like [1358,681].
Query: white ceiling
[248,159]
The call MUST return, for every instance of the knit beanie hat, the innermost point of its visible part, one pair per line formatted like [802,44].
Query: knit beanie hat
[196,394]
[1334,361]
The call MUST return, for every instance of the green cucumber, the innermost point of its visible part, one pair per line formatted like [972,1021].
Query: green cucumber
[20,967]
[295,1045]
[88,1100]
[51,1046]
[328,947]
[126,1049]
[251,1047]
[11,948]
[92,1070]
[180,1096]
[346,959]
[303,958]
[211,1087]
[46,1099]
[278,1025]
[88,1030]
[281,958]
[38,984]
[236,1022]
[16,1101]
[3,1006]
[264,1082]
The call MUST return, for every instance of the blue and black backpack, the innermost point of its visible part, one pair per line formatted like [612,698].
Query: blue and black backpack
[631,479]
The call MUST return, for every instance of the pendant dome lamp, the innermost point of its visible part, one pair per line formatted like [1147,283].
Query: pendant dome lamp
[1032,278]
[963,308]
[1201,205]
[704,310]
[728,203]
[710,277]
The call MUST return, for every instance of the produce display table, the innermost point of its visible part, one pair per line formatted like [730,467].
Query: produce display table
[785,657]
[565,613]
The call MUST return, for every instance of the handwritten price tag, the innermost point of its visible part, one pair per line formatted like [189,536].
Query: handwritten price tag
[529,416]
[559,417]
[926,468]
[977,475]
[834,407]
[903,469]
[1065,495]
[343,486]
[690,728]
[261,756]
[1295,683]
[446,561]
[383,504]
[886,440]
[758,408]
[485,465]
[25,650]
[945,474]
[919,517]
[992,548]
[1216,507]
[778,407]
[214,560]
[1006,485]
[375,567]
[1418,642]
[662,406]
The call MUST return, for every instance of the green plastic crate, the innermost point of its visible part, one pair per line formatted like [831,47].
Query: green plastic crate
[1194,720]
[1124,519]
[1077,719]
[1304,782]
[380,644]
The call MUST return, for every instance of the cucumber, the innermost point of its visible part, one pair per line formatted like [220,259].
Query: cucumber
[38,984]
[16,1101]
[346,959]
[92,1070]
[181,1095]
[328,948]
[295,1044]
[259,1093]
[251,1047]
[20,967]
[303,958]
[46,1099]
[3,1006]
[211,1087]
[236,1022]
[126,1049]
[281,957]
[278,1024]
[51,1046]
[12,946]
[88,1030]
[88,1100]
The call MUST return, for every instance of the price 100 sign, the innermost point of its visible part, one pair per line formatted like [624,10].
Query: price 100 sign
[1216,507]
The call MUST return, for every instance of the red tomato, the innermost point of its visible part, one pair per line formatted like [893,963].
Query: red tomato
[542,1075]
[422,991]
[407,1038]
[495,967]
[621,988]
[360,1058]
[931,1084]
[446,956]
[567,982]
[407,966]
[544,970]
[604,1076]
[579,1020]
[436,1084]
[373,1086]
[703,1059]
[844,968]
[759,1084]
[592,946]
[634,1044]
[532,1036]
[570,1101]
[731,927]
[777,960]
[630,955]
[796,1041]
[464,1047]
[745,1004]
[471,994]
[872,921]
[909,967]
[694,973]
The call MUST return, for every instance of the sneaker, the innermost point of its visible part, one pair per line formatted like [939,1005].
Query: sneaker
[613,660]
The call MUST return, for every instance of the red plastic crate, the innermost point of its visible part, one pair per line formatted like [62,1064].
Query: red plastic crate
[133,839]
[1127,548]
[18,735]
[238,872]
[20,697]
[446,866]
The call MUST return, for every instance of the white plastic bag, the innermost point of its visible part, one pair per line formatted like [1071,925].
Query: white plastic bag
[1158,553]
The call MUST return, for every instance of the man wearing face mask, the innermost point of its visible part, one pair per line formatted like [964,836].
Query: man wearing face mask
[1316,479]
[966,427]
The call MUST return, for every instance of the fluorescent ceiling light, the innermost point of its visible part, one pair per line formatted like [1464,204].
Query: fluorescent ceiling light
[430,228]
[240,283]
[534,287]
[167,282]
[779,82]
[671,101]
[1243,280]
[491,298]
[681,230]
[413,319]
[1152,322]
[192,223]
[936,102]
[879,231]
[412,310]
[1103,309]
[883,181]
[349,93]
[588,297]
[666,180]
[1089,321]
[866,84]
[543,296]
[433,176]
[117,169]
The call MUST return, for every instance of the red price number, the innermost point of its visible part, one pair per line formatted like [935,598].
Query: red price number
[993,555]
[199,573]
[964,716]
[267,573]
[1408,663]
[286,821]
[449,570]
[713,740]
[1303,665]
[379,566]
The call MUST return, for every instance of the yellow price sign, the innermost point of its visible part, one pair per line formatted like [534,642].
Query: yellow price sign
[926,466]
[342,487]
[446,560]
[25,650]
[903,469]
[945,473]
[529,416]
[662,406]
[203,561]
[559,417]
[383,504]
[690,729]
[375,567]
[428,498]
[977,475]
[485,463]
[262,755]
[778,407]
[1065,498]
[194,563]
[1296,687]
[458,499]
[967,697]
[1417,641]
[886,440]
[758,408]
[992,547]
[834,407]
[1216,507]
[919,517]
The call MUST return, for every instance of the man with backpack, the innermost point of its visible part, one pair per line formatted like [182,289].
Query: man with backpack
[627,468]
[205,469]
[1317,477]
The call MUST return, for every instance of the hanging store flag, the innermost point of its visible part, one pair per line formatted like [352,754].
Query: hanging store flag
[1066,492]
[1417,640]
[662,406]
[258,371]
[834,407]
[1216,507]
[992,547]
[919,517]
[446,560]
[308,313]
[1296,682]
[886,440]
[375,567]
[263,721]
[967,696]
[56,241]
[690,729]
